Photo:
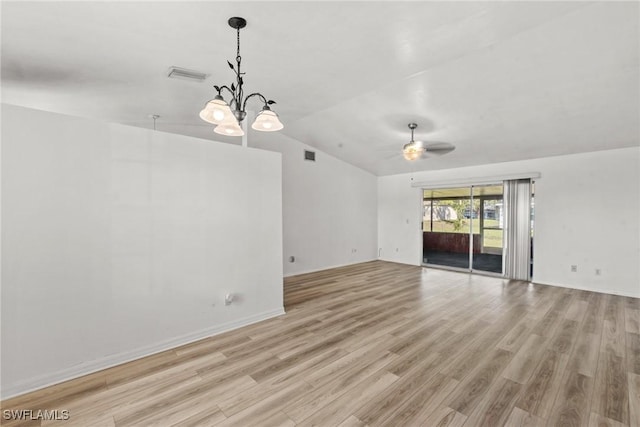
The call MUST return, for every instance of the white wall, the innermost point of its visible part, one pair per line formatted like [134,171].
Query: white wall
[329,207]
[119,242]
[587,209]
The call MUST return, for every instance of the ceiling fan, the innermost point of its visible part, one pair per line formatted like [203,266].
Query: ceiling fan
[413,150]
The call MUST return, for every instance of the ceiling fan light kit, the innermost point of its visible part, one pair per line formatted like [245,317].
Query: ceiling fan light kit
[220,113]
[411,150]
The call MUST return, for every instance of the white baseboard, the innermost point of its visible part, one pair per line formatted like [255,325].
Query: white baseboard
[582,288]
[32,384]
[315,270]
[395,261]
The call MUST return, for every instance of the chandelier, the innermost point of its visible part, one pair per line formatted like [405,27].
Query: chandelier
[412,150]
[220,113]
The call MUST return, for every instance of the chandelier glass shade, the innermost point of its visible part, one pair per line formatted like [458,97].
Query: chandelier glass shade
[267,121]
[228,115]
[216,111]
[230,128]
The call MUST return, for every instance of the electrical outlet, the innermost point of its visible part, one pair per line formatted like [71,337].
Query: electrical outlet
[228,299]
[574,268]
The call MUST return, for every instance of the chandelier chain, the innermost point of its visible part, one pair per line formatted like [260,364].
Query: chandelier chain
[238,39]
[238,95]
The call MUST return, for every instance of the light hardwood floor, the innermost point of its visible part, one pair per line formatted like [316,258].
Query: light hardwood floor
[391,345]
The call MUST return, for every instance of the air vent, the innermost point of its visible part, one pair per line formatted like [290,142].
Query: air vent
[184,74]
[310,155]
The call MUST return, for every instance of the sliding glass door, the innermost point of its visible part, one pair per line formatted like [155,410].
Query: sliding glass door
[446,227]
[462,228]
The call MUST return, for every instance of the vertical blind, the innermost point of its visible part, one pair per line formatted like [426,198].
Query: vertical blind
[517,238]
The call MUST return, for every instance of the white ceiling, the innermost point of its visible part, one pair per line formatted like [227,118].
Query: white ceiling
[499,80]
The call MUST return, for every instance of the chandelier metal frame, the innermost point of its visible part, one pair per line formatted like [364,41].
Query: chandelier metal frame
[217,110]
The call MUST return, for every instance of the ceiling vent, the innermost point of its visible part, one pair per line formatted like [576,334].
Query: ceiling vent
[310,155]
[184,74]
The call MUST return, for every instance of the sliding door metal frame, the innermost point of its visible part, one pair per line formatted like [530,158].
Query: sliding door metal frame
[470,268]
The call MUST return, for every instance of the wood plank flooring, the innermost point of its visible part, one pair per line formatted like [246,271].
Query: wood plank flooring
[384,344]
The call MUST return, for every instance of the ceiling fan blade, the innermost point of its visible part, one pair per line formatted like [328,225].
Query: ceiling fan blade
[438,151]
[439,148]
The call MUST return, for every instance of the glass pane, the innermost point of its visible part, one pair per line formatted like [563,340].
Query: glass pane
[488,229]
[492,222]
[426,215]
[446,225]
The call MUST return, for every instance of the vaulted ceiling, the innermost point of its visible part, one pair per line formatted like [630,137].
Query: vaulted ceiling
[500,81]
